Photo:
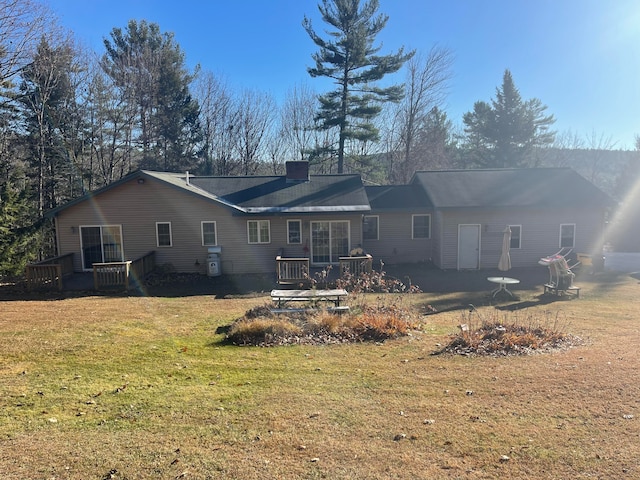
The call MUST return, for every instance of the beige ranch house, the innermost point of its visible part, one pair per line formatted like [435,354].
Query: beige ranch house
[452,219]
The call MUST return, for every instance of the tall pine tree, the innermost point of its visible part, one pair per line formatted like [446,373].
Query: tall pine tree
[148,67]
[350,58]
[506,132]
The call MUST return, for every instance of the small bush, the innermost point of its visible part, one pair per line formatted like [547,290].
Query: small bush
[259,326]
[259,331]
[375,282]
[381,326]
[511,335]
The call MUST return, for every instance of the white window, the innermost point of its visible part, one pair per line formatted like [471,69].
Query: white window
[420,226]
[370,227]
[516,236]
[100,244]
[259,231]
[294,231]
[567,235]
[163,234]
[209,236]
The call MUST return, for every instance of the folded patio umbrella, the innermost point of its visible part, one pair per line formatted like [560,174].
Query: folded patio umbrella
[505,258]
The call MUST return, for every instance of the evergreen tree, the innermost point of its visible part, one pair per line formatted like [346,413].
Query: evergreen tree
[17,245]
[350,58]
[506,132]
[148,67]
[46,95]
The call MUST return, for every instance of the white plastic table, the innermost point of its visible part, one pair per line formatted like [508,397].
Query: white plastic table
[502,284]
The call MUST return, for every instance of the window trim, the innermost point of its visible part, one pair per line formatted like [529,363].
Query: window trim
[158,235]
[413,216]
[299,222]
[519,237]
[260,240]
[377,217]
[573,237]
[215,233]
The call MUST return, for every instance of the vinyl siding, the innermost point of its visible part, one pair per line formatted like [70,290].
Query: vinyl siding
[394,244]
[137,208]
[539,237]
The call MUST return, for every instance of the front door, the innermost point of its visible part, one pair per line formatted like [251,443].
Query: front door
[468,247]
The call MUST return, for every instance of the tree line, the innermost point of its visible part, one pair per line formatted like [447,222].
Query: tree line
[72,120]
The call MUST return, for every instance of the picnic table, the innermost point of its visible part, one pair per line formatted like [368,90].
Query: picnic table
[311,297]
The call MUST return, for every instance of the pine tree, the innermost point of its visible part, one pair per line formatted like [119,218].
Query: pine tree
[148,67]
[46,95]
[17,245]
[506,132]
[351,59]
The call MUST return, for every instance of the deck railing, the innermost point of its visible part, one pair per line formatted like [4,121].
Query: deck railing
[143,266]
[112,274]
[50,272]
[356,265]
[122,274]
[291,271]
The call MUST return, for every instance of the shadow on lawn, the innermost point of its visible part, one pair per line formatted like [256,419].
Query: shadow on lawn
[542,299]
[452,290]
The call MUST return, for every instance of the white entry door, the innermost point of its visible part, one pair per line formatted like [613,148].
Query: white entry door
[468,247]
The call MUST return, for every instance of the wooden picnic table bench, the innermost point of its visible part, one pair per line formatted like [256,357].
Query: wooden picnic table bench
[312,297]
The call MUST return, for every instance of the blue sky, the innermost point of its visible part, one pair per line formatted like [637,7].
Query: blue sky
[581,58]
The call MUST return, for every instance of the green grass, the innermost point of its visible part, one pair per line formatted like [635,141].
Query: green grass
[146,388]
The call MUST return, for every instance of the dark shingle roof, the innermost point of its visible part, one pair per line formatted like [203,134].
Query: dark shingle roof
[397,197]
[268,194]
[522,188]
[273,194]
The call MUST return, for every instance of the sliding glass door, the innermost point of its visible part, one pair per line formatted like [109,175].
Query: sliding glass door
[329,241]
[100,244]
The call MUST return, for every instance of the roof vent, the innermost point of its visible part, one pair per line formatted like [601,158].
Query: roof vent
[297,171]
[187,178]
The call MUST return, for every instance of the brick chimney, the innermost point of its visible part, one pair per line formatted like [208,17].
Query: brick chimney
[297,171]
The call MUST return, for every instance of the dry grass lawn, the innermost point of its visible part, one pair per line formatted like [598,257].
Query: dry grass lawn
[137,388]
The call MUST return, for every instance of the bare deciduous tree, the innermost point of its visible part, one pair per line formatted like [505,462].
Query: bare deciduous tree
[297,117]
[22,24]
[426,87]
[218,115]
[255,116]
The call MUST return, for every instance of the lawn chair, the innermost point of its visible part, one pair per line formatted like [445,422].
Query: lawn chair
[560,275]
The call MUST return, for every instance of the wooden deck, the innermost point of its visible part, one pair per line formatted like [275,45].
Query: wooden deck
[297,271]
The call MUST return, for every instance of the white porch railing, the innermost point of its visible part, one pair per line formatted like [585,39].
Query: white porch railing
[356,265]
[291,271]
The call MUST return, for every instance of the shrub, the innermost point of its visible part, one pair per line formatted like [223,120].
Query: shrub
[259,326]
[375,282]
[261,331]
[510,335]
